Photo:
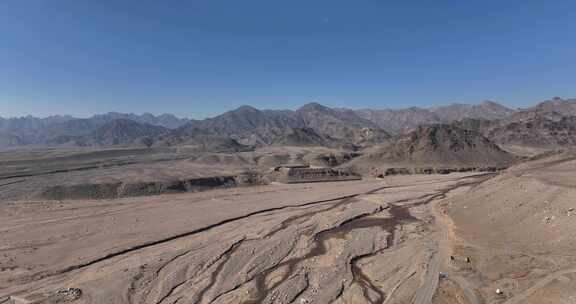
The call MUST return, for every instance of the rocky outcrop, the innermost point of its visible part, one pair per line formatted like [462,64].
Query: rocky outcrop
[432,170]
[441,146]
[434,146]
[310,175]
[536,130]
[119,190]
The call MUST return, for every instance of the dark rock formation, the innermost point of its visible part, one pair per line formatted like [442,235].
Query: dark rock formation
[119,189]
[442,145]
[310,175]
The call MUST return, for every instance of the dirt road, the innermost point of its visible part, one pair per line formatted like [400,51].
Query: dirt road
[357,242]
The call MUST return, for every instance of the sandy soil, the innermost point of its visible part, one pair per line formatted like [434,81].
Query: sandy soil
[449,292]
[518,229]
[370,241]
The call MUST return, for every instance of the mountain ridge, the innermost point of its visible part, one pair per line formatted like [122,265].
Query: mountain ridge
[310,123]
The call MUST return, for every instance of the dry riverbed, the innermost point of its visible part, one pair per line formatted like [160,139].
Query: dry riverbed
[347,242]
[369,241]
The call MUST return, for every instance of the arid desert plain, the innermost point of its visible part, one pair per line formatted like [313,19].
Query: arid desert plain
[422,238]
[287,152]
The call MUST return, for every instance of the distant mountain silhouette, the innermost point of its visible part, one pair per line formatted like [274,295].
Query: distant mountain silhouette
[548,123]
[486,110]
[264,127]
[558,105]
[124,131]
[398,121]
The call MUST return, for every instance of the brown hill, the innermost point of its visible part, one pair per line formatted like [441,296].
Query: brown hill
[124,131]
[438,146]
[202,143]
[302,137]
[537,130]
[341,124]
[531,128]
[398,121]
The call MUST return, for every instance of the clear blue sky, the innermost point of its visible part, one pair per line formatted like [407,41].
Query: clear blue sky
[201,57]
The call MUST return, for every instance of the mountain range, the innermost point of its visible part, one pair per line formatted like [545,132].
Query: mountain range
[551,122]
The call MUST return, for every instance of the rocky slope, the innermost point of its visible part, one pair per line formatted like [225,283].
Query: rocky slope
[247,124]
[303,137]
[342,124]
[202,143]
[557,104]
[124,131]
[536,131]
[549,124]
[436,146]
[398,121]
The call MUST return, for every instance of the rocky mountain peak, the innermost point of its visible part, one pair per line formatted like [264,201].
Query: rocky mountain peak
[314,106]
[246,109]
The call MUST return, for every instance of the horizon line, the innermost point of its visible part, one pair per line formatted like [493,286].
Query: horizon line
[157,114]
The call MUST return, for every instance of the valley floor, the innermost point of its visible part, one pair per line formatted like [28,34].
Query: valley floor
[403,239]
